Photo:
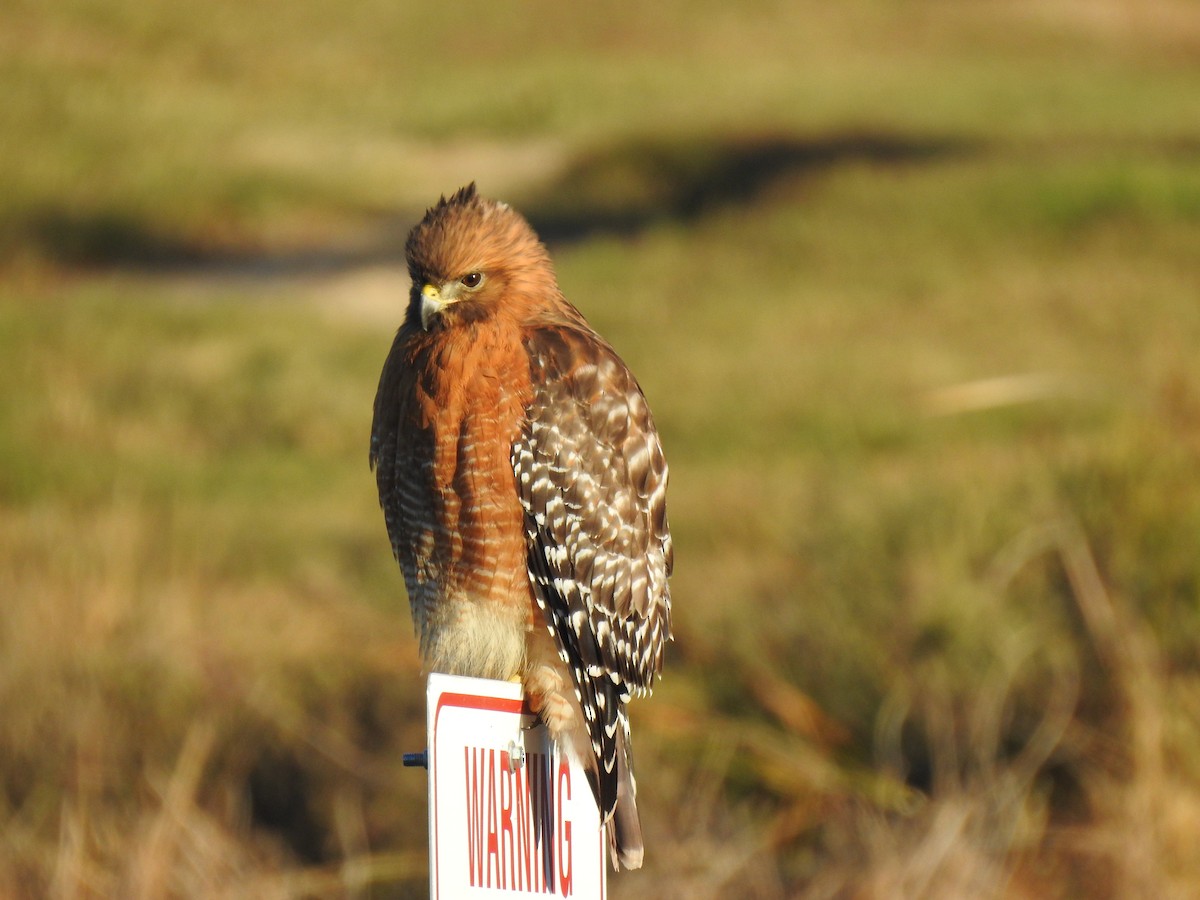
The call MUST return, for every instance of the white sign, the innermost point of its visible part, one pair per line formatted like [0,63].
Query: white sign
[509,816]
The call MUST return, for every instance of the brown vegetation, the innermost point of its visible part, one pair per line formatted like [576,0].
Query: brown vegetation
[910,286]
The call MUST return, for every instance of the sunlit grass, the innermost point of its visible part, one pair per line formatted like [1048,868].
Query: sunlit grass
[911,289]
[161,129]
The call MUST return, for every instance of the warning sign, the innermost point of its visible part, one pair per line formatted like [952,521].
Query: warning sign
[509,816]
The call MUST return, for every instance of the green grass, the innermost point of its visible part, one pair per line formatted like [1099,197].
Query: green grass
[911,289]
[161,130]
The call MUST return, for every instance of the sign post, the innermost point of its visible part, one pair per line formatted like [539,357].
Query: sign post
[509,815]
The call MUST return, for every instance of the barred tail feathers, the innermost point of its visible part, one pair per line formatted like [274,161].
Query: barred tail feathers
[625,843]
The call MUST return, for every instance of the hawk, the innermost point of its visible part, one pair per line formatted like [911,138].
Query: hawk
[523,486]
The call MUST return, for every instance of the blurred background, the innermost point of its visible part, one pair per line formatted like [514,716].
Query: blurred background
[911,285]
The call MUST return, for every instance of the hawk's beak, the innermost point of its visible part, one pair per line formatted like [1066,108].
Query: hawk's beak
[431,304]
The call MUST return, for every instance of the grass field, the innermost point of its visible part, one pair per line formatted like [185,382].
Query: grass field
[912,288]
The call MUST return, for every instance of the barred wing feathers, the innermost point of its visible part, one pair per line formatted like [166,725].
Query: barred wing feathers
[592,480]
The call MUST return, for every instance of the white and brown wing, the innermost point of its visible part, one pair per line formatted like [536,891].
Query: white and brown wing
[592,479]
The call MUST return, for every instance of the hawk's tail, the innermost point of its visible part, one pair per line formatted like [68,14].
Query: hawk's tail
[624,826]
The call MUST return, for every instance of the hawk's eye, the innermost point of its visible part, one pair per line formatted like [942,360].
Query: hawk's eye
[472,280]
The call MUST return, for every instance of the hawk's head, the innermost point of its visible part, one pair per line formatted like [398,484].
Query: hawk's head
[470,256]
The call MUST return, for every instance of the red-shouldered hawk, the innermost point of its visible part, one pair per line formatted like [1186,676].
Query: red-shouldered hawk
[524,489]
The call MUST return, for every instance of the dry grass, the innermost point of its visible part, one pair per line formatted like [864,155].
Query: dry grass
[911,288]
[988,828]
